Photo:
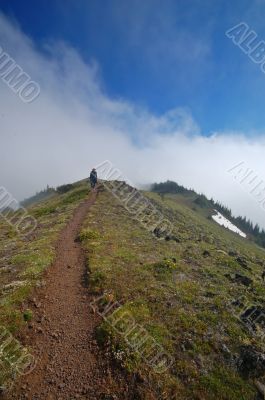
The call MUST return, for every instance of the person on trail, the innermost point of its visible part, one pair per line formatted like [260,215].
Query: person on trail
[93,178]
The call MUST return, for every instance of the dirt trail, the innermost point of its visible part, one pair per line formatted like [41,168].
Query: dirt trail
[70,365]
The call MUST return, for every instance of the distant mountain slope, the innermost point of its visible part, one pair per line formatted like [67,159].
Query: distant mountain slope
[48,192]
[202,204]
[39,196]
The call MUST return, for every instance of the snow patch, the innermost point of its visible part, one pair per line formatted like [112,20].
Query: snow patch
[221,220]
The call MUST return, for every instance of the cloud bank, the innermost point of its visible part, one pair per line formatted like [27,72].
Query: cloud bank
[74,125]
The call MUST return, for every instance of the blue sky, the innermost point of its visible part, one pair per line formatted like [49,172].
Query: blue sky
[161,54]
[156,87]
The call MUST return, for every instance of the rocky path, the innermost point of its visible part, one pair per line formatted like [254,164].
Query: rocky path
[70,365]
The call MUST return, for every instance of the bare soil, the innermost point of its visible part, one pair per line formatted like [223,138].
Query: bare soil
[62,333]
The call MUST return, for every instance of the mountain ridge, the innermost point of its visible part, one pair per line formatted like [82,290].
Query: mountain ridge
[197,294]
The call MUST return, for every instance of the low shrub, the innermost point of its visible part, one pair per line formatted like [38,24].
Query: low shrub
[64,188]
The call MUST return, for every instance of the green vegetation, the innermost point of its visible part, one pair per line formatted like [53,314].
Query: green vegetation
[23,260]
[28,315]
[186,295]
[88,234]
[64,188]
[178,293]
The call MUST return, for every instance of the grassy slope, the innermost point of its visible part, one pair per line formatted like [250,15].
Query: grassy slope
[23,260]
[182,298]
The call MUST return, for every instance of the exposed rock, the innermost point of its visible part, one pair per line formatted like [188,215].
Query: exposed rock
[158,233]
[251,363]
[222,252]
[254,316]
[13,285]
[243,279]
[261,388]
[237,278]
[210,294]
[172,237]
[225,349]
[242,261]
[232,253]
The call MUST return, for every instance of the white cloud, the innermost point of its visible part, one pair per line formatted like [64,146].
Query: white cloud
[74,125]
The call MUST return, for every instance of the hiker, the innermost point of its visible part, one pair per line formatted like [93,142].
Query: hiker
[93,178]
